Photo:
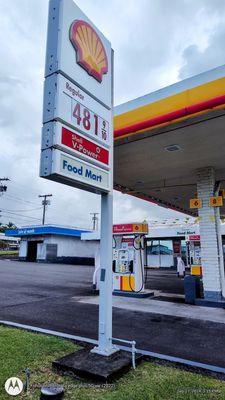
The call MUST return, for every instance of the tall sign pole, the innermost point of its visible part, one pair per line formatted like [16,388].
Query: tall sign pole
[105,346]
[77,133]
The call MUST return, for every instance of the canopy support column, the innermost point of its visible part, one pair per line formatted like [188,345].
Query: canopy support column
[210,234]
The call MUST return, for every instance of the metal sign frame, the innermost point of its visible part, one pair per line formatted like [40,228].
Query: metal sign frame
[80,99]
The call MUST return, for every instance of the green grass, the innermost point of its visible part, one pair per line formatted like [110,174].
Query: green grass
[8,252]
[150,381]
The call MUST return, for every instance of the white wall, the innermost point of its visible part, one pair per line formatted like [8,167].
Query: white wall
[163,260]
[73,247]
[66,246]
[23,248]
[41,251]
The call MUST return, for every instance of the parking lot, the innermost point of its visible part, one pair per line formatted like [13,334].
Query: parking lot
[59,297]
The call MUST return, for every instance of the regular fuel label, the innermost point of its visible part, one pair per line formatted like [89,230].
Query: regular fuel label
[84,172]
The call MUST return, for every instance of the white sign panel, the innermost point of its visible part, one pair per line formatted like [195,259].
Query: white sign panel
[67,102]
[62,167]
[85,172]
[172,232]
[77,111]
[79,50]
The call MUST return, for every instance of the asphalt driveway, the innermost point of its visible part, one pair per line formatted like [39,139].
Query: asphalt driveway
[47,296]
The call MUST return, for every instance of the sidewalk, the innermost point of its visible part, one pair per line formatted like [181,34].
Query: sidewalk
[162,307]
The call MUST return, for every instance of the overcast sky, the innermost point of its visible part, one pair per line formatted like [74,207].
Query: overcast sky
[156,43]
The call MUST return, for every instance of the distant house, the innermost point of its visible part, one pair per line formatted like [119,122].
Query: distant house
[8,243]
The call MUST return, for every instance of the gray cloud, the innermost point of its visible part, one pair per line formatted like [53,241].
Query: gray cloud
[156,43]
[197,60]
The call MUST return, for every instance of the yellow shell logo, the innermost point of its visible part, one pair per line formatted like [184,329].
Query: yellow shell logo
[91,54]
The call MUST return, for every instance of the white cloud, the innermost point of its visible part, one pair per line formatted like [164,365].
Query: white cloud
[155,43]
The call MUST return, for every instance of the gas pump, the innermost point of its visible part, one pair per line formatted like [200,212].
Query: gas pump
[128,259]
[194,254]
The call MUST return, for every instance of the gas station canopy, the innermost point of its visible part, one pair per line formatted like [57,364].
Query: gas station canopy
[162,138]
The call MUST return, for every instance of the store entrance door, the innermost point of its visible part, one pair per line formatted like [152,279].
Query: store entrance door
[32,250]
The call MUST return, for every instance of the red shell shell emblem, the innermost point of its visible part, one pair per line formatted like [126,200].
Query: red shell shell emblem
[90,52]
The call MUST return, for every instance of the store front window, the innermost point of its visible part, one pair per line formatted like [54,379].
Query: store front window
[160,253]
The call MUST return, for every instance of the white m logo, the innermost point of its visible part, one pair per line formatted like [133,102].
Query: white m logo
[13,386]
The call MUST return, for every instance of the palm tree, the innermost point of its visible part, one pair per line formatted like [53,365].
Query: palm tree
[10,225]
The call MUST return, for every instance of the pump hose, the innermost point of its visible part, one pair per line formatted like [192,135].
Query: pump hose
[142,270]
[114,242]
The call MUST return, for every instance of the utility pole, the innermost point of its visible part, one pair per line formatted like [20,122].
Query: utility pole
[45,203]
[3,188]
[95,221]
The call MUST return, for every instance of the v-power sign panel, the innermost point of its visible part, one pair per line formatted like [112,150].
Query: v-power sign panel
[58,135]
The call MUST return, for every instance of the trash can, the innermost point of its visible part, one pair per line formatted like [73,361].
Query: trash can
[192,288]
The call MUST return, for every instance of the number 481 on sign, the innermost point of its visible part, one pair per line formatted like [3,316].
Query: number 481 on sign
[89,122]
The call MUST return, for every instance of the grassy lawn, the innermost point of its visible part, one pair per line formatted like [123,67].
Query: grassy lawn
[8,252]
[20,350]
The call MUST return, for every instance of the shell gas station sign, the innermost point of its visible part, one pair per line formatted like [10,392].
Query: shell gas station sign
[77,137]
[84,38]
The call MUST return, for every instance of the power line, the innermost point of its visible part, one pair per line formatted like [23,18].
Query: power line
[17,201]
[15,198]
[20,199]
[20,215]
[31,209]
[15,183]
[19,220]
